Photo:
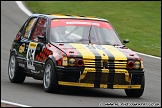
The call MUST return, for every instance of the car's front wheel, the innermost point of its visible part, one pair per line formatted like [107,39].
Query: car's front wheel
[136,92]
[14,71]
[50,82]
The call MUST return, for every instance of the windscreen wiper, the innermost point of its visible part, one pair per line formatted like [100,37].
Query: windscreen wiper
[89,34]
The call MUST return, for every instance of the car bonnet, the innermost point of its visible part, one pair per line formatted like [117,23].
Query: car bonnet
[93,51]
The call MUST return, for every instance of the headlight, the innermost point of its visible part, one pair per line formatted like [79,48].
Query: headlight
[72,62]
[64,61]
[136,64]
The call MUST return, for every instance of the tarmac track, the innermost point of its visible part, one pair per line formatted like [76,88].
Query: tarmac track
[31,92]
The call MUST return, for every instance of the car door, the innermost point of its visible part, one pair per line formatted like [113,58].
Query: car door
[22,40]
[36,47]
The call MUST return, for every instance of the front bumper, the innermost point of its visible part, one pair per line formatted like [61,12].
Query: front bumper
[100,78]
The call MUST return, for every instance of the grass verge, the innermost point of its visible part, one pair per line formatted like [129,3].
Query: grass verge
[138,21]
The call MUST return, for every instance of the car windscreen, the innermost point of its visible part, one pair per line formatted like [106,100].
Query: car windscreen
[83,31]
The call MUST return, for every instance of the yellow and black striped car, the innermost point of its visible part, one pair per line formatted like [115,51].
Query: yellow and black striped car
[70,50]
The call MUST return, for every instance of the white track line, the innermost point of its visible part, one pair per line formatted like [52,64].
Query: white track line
[23,8]
[149,55]
[12,103]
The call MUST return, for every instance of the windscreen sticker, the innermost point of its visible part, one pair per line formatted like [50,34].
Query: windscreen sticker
[84,23]
[66,22]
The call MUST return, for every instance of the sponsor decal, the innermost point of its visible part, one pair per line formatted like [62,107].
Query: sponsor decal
[95,47]
[28,28]
[21,65]
[21,48]
[84,23]
[43,54]
[34,71]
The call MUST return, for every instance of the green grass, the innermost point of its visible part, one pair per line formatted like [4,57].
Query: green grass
[138,21]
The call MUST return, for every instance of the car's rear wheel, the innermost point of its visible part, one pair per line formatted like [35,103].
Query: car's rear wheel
[50,82]
[136,92]
[14,71]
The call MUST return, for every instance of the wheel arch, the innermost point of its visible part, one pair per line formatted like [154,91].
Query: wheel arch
[14,51]
[19,76]
[53,60]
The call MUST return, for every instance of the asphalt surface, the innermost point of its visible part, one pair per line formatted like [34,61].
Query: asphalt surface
[31,92]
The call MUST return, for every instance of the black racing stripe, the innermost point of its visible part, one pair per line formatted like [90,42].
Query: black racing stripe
[97,65]
[111,68]
[111,78]
[98,69]
[97,78]
[73,52]
[93,50]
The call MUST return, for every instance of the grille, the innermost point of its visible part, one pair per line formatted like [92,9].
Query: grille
[107,64]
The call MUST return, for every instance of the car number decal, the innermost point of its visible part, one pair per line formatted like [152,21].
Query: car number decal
[30,55]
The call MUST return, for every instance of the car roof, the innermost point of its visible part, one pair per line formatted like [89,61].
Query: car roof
[60,16]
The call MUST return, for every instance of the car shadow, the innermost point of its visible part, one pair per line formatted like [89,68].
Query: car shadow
[79,91]
[89,92]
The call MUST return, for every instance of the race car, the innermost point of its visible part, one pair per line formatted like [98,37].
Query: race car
[71,50]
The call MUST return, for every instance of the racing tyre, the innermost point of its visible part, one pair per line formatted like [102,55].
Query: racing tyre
[50,82]
[14,71]
[136,92]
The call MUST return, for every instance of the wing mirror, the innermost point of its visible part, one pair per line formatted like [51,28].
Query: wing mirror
[125,41]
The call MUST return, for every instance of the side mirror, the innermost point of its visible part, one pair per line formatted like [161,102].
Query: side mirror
[125,41]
